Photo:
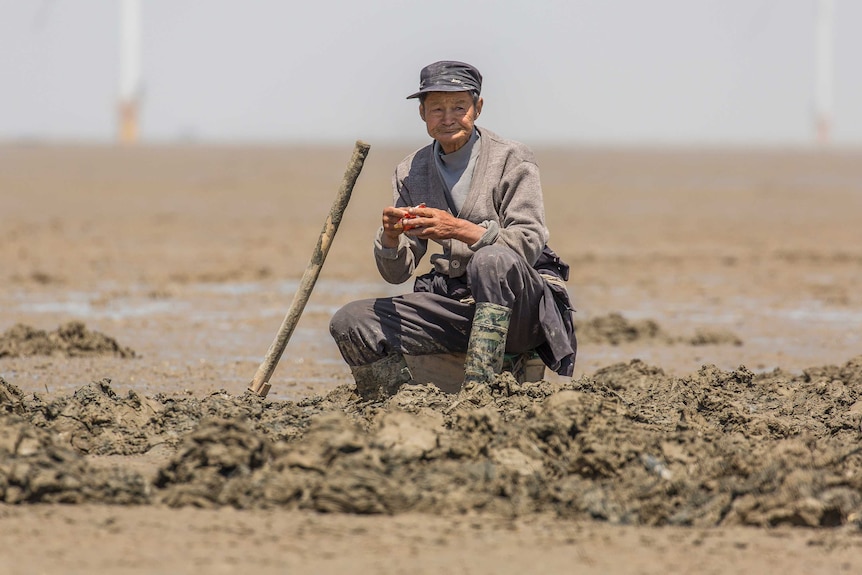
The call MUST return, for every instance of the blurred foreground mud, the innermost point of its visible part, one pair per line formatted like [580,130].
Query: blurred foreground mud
[628,445]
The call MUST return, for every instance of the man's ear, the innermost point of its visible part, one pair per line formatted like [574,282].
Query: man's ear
[479,104]
[422,111]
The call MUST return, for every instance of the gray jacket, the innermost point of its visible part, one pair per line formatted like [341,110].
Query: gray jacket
[505,197]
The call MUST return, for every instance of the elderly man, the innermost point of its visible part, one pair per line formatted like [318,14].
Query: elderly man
[495,286]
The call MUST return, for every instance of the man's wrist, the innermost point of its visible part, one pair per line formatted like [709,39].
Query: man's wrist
[470,233]
[491,231]
[388,241]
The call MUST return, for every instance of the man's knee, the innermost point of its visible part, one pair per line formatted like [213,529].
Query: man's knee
[492,261]
[346,328]
[499,275]
[342,321]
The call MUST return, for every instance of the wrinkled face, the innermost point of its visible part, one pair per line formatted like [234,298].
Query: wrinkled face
[449,117]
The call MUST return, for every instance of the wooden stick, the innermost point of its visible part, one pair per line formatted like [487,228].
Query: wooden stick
[260,384]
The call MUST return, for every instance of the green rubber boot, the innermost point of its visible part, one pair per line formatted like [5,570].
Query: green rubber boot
[487,344]
[383,378]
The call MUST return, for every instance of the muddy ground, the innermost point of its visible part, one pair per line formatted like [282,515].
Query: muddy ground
[713,423]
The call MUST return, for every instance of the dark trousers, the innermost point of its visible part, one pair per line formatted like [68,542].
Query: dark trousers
[428,322]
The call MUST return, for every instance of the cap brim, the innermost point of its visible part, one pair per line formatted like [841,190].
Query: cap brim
[439,88]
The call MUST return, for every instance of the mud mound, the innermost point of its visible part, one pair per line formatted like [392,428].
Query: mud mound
[72,339]
[629,444]
[96,420]
[280,421]
[11,399]
[712,337]
[214,465]
[614,329]
[33,469]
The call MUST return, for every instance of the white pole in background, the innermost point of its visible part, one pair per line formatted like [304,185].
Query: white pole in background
[824,73]
[130,70]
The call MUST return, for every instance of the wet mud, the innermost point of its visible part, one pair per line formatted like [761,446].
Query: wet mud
[627,444]
[697,262]
[615,329]
[71,339]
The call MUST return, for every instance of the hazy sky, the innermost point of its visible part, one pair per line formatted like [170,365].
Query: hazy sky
[580,71]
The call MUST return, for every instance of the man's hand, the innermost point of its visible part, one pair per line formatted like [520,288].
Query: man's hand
[434,224]
[392,226]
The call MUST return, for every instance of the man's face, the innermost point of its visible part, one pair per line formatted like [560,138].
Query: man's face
[449,117]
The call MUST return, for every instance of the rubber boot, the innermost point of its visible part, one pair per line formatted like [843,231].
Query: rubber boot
[381,379]
[487,344]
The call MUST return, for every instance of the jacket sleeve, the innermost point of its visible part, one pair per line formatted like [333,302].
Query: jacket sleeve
[396,265]
[522,211]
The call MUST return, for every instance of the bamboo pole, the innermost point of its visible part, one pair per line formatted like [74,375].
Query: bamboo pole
[260,384]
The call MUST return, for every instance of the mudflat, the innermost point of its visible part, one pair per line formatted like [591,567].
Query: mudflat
[712,424]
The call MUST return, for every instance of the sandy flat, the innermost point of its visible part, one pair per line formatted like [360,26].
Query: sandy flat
[190,256]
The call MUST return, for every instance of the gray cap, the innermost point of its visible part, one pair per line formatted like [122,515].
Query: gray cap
[448,76]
